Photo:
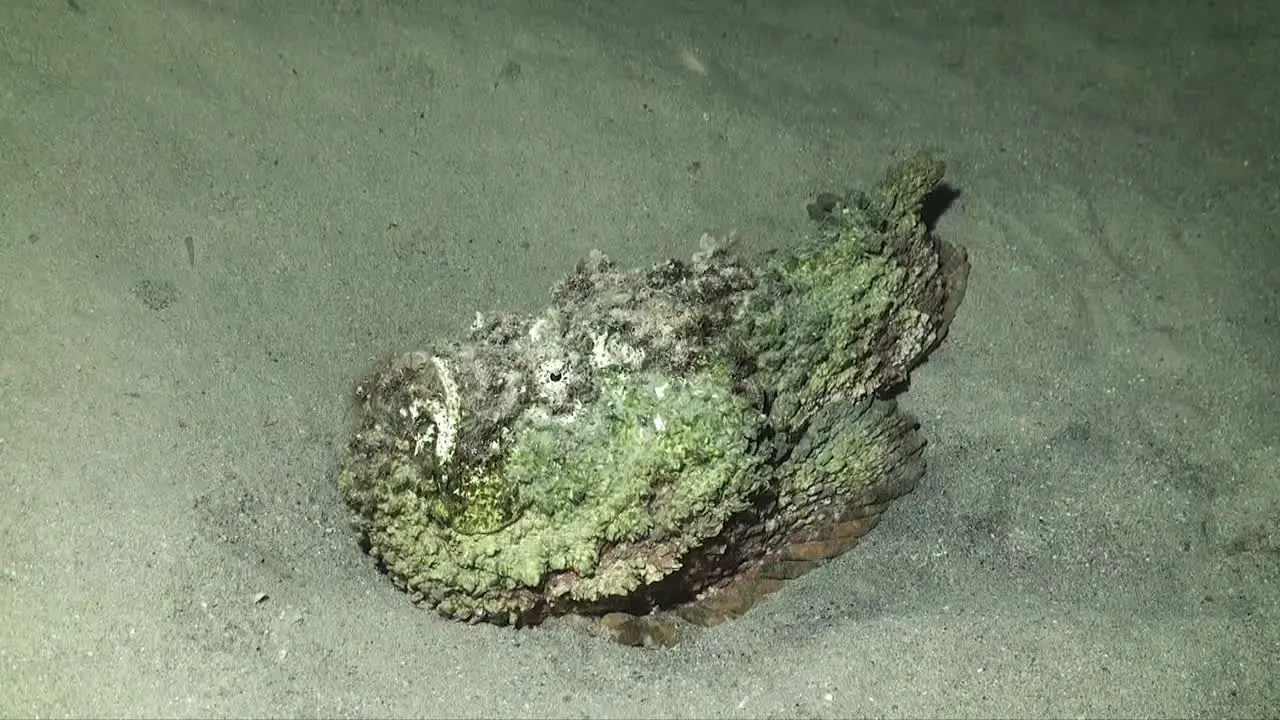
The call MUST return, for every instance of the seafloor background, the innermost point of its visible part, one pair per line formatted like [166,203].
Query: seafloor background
[214,216]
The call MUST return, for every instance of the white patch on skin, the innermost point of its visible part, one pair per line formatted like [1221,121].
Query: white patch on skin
[607,351]
[442,434]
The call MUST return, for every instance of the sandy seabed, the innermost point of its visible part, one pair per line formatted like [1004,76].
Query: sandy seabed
[215,216]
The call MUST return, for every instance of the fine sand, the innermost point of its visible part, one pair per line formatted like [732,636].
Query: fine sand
[216,215]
